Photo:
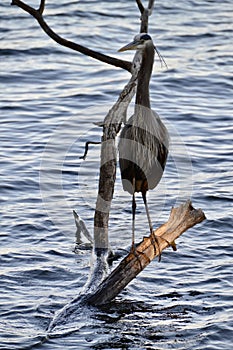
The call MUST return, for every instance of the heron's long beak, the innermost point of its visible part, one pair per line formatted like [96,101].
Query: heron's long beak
[131,46]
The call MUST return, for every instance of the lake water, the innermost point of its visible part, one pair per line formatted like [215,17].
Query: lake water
[50,99]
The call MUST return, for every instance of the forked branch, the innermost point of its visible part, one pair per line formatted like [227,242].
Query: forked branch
[42,6]
[145,13]
[140,6]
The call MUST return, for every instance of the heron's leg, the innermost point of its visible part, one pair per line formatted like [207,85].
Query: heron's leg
[133,247]
[133,216]
[150,225]
[147,211]
[133,220]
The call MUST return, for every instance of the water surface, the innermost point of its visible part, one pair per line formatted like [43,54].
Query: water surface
[50,98]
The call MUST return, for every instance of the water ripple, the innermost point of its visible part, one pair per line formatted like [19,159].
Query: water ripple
[51,97]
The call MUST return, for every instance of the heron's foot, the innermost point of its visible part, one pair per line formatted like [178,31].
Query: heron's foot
[136,253]
[156,244]
[155,241]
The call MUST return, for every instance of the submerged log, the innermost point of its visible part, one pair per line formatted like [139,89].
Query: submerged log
[180,220]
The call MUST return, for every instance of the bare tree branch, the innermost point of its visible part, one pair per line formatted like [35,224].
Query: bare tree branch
[145,13]
[140,6]
[151,5]
[111,126]
[37,14]
[42,6]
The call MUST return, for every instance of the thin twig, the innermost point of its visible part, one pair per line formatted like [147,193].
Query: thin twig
[151,5]
[87,148]
[140,6]
[42,6]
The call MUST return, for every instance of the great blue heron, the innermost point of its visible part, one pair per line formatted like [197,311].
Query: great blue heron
[144,140]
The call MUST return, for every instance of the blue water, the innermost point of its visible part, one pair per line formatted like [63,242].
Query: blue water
[50,99]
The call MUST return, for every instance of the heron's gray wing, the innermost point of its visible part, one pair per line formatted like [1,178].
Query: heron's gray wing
[143,148]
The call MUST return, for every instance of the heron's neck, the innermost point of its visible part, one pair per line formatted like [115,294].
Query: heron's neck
[143,94]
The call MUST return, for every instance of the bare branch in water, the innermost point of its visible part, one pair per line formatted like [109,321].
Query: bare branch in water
[87,148]
[140,6]
[37,14]
[81,228]
[42,6]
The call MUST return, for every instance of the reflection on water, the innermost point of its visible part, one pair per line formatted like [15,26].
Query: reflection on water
[50,98]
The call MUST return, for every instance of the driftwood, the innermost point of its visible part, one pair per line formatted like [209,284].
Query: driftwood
[180,220]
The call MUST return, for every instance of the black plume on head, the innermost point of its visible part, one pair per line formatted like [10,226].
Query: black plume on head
[145,37]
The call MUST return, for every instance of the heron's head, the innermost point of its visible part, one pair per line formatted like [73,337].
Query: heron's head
[139,43]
